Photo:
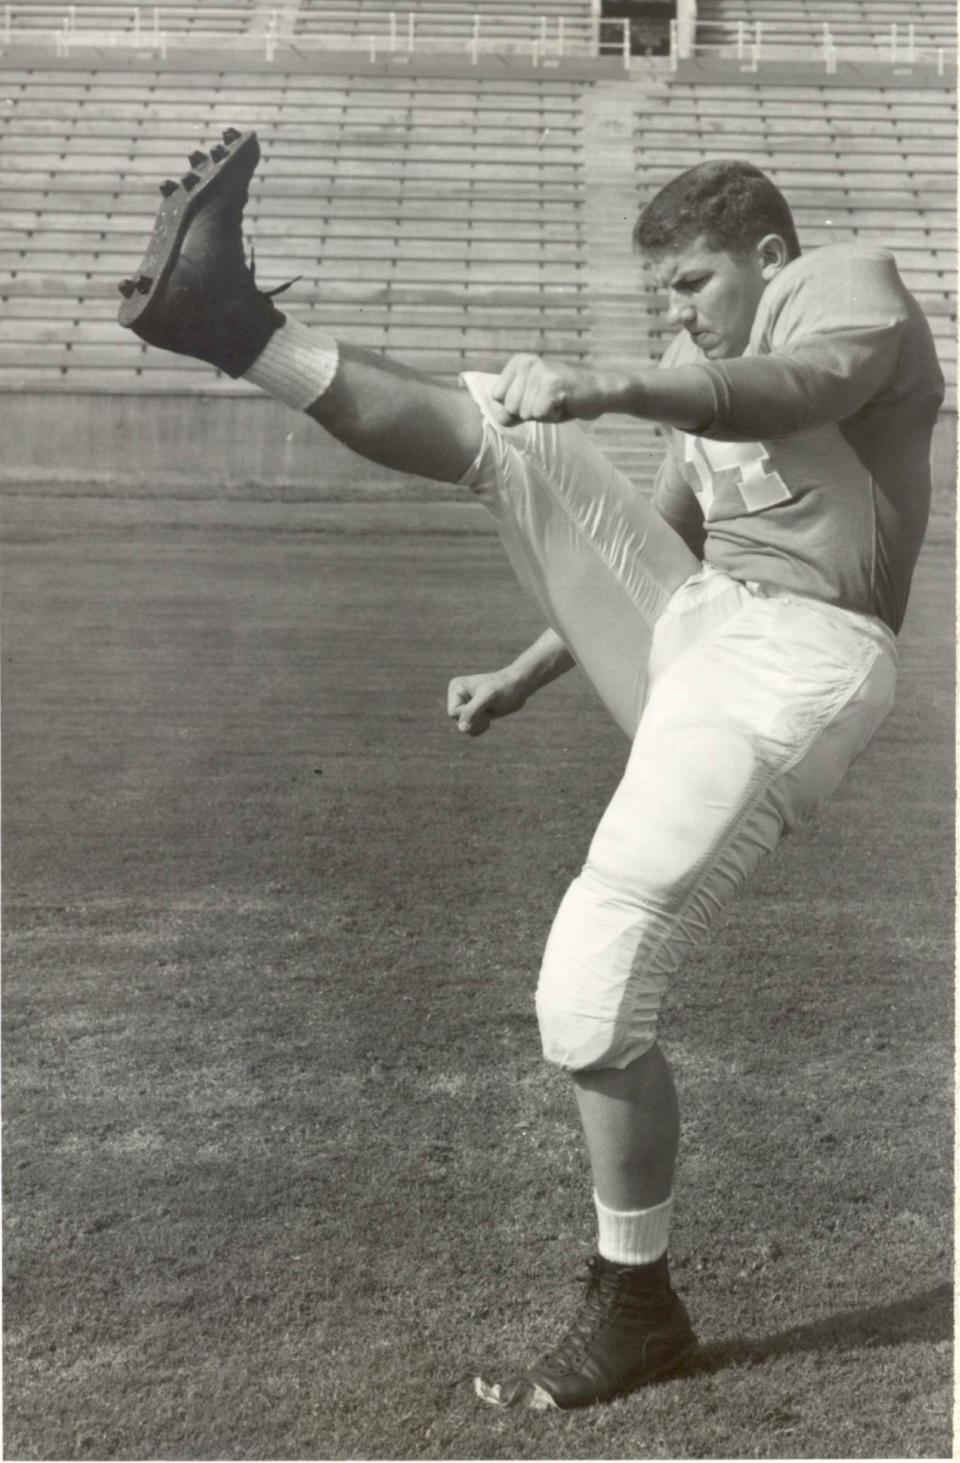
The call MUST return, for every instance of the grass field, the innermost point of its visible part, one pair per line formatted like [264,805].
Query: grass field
[282,1166]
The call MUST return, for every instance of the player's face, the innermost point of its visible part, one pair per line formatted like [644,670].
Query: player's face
[714,295]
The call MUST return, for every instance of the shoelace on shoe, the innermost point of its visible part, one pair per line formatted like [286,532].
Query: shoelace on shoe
[278,289]
[605,1300]
[600,1298]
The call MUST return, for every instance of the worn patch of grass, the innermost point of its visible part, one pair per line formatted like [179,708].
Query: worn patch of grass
[283,1168]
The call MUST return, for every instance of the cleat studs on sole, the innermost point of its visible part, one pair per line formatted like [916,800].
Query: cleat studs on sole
[197,158]
[218,153]
[189,181]
[168,187]
[144,283]
[231,135]
[126,288]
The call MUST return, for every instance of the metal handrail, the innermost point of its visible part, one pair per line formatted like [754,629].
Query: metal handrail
[753,42]
[893,35]
[543,37]
[154,17]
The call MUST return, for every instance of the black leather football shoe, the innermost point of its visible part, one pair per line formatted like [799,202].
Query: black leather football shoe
[631,1329]
[194,292]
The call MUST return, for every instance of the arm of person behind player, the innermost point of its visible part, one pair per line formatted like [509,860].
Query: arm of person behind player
[474,701]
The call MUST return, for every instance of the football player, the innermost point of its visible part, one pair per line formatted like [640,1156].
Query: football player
[741,629]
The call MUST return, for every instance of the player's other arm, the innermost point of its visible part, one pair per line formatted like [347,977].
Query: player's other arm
[476,700]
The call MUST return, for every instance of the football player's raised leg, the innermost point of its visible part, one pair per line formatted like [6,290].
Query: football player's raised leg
[398,417]
[194,294]
[598,558]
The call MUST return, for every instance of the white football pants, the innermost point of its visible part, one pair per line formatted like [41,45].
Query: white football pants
[746,704]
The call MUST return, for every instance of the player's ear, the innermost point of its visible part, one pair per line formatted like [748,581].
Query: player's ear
[773,254]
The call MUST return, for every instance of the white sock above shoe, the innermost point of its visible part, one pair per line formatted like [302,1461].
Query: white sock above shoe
[296,365]
[633,1236]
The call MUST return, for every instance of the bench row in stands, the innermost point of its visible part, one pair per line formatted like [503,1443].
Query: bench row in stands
[870,11]
[455,21]
[871,14]
[214,88]
[40,343]
[804,41]
[816,104]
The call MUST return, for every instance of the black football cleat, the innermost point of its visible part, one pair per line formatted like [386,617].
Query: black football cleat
[194,292]
[631,1329]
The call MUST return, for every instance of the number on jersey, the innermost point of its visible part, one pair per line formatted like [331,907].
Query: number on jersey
[717,470]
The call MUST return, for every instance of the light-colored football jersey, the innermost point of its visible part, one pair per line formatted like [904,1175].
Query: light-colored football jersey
[814,474]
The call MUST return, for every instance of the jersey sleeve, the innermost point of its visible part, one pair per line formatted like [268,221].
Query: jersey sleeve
[825,343]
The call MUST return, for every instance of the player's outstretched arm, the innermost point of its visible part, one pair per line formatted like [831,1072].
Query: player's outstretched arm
[530,388]
[476,700]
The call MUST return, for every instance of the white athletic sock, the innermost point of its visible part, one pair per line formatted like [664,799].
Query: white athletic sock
[296,365]
[633,1236]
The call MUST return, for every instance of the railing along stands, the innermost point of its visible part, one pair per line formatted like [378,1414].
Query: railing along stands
[544,38]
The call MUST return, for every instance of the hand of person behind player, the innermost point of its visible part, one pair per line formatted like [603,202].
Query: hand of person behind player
[532,389]
[474,701]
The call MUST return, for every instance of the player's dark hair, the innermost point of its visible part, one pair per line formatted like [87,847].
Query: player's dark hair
[729,203]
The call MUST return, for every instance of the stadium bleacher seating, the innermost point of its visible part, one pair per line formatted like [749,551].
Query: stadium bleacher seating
[567,25]
[439,13]
[792,25]
[435,23]
[449,219]
[432,219]
[220,16]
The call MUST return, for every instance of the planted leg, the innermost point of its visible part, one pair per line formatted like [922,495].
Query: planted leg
[631,1122]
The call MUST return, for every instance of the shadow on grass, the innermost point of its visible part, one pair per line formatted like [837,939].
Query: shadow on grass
[924,1317]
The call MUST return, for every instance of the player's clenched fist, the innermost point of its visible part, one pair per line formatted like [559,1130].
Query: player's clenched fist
[531,389]
[473,701]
